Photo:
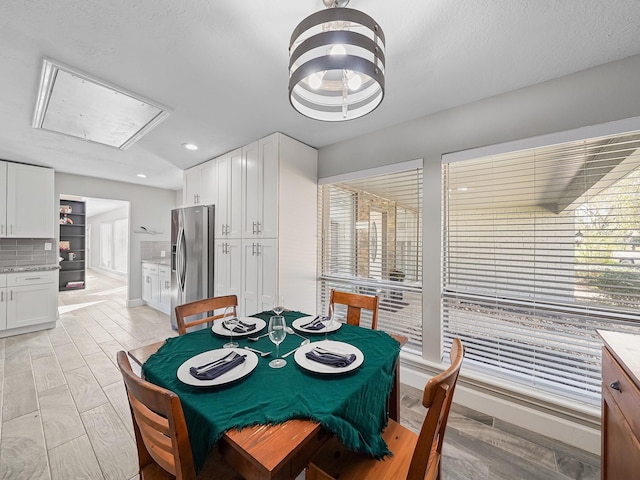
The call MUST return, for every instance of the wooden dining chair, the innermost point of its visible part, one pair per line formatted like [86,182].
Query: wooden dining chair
[205,307]
[415,457]
[355,302]
[164,449]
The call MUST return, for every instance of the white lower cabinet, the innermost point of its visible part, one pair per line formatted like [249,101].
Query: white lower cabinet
[259,275]
[228,267]
[28,301]
[156,286]
[164,280]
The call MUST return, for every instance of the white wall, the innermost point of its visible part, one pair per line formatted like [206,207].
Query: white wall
[149,206]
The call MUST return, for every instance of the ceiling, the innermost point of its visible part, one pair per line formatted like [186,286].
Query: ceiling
[221,67]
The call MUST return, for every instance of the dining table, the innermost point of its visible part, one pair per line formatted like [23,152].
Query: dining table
[268,423]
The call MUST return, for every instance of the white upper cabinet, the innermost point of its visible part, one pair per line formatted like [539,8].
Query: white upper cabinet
[29,210]
[260,188]
[199,185]
[228,213]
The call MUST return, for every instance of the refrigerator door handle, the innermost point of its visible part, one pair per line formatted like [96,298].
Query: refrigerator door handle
[181,260]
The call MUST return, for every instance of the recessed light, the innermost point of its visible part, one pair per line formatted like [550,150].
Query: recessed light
[142,175]
[190,146]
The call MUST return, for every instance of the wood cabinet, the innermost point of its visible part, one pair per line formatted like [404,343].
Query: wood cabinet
[620,406]
[28,301]
[72,244]
[27,205]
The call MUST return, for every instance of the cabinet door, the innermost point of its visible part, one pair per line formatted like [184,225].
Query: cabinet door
[249,304]
[165,294]
[268,187]
[31,304]
[228,266]
[235,194]
[209,183]
[267,273]
[192,186]
[30,202]
[147,289]
[3,196]
[155,290]
[222,207]
[251,190]
[620,445]
[3,308]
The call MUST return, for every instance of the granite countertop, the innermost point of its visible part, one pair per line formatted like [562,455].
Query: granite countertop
[29,268]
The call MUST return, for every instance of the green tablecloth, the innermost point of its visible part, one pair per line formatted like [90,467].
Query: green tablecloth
[353,406]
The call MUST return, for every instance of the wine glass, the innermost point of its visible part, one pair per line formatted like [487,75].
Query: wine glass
[278,308]
[277,333]
[328,321]
[230,320]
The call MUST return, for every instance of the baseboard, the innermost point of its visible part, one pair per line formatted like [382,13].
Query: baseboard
[136,302]
[578,428]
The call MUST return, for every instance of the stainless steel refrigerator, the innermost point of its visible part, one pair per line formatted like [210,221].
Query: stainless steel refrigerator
[192,252]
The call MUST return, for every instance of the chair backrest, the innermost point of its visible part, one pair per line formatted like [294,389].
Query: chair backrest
[205,309]
[159,425]
[355,302]
[437,397]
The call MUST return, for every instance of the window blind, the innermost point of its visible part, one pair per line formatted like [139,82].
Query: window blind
[541,247]
[371,243]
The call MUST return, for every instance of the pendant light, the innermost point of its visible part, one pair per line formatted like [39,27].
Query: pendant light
[336,64]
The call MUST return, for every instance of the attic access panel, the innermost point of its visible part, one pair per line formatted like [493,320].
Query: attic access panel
[78,105]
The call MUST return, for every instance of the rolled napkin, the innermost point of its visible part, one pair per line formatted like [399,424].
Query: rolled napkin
[241,327]
[213,370]
[317,323]
[331,358]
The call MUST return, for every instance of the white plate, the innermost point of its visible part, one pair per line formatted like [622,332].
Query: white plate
[298,322]
[218,329]
[338,347]
[245,368]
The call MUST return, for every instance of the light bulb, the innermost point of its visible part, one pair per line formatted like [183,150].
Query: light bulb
[315,80]
[355,81]
[338,50]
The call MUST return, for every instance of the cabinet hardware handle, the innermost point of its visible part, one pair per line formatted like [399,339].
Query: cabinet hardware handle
[258,249]
[253,230]
[11,295]
[228,227]
[615,385]
[259,227]
[32,278]
[253,249]
[1,296]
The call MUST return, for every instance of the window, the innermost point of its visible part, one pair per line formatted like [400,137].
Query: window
[540,248]
[371,243]
[114,243]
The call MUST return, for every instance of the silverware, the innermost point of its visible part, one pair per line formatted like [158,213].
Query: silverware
[291,331]
[216,363]
[255,339]
[324,351]
[304,342]
[262,354]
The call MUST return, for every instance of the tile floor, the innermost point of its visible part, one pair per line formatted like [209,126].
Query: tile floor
[65,413]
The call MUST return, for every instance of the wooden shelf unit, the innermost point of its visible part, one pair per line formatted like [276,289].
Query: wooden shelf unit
[75,234]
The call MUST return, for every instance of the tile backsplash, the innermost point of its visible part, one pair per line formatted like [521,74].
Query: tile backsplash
[20,252]
[152,251]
